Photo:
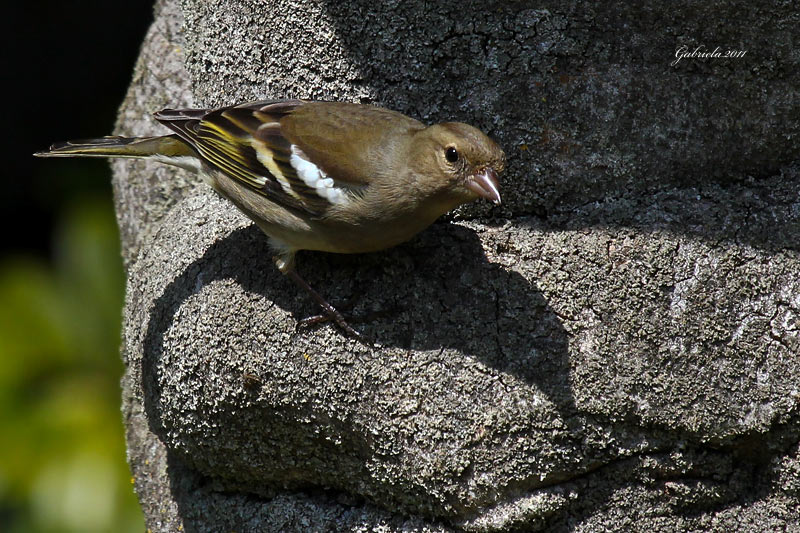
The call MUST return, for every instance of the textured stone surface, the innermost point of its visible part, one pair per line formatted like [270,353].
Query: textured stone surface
[616,347]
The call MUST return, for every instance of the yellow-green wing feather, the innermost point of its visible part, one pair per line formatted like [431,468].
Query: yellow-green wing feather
[246,144]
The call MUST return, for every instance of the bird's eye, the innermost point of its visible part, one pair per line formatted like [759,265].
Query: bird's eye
[451,154]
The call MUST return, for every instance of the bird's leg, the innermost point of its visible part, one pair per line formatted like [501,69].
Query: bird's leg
[330,312]
[284,260]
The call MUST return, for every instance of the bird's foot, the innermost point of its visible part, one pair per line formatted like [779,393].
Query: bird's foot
[330,314]
[337,318]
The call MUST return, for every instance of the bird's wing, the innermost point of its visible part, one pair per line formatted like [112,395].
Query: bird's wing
[352,143]
[248,144]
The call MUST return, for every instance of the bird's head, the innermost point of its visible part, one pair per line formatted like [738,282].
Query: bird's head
[462,161]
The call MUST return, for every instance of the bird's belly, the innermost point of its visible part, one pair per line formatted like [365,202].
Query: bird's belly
[362,238]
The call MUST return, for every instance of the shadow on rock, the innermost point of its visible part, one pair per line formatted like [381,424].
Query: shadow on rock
[438,292]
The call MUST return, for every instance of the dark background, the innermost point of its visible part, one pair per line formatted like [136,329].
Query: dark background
[66,66]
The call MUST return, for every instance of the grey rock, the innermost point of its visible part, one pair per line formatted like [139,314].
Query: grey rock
[615,348]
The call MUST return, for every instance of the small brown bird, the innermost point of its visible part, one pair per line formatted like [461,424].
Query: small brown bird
[328,176]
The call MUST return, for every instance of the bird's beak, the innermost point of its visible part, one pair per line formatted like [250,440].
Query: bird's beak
[484,184]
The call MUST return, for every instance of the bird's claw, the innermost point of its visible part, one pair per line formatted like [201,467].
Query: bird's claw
[337,319]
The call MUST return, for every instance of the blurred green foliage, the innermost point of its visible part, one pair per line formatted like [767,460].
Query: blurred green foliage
[62,451]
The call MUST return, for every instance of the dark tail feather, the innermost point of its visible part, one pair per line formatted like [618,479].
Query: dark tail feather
[167,146]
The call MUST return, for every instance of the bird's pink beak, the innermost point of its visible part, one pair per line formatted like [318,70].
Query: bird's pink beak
[484,184]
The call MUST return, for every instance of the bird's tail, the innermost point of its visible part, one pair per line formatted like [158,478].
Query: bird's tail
[166,148]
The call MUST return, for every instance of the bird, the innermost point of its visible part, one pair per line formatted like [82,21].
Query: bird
[318,175]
